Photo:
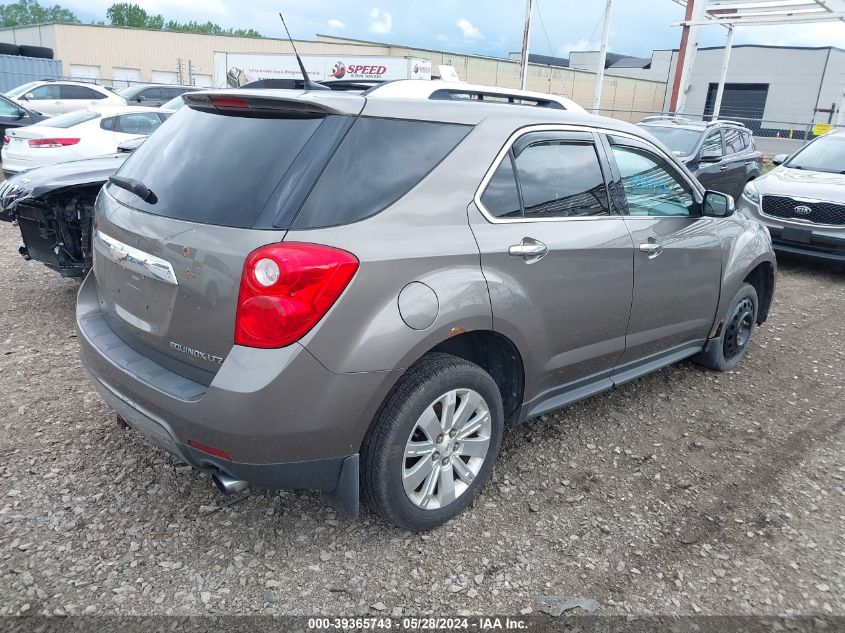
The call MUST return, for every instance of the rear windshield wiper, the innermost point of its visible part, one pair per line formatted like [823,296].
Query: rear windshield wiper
[134,186]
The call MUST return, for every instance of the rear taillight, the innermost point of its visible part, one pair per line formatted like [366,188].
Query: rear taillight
[53,142]
[286,289]
[6,140]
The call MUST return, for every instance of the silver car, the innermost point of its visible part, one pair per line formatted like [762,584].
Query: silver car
[410,275]
[802,200]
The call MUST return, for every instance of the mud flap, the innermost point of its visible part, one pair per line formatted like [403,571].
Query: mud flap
[344,498]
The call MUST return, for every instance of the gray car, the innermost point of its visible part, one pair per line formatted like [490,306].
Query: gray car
[802,200]
[409,277]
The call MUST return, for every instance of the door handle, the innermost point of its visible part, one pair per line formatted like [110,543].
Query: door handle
[723,168]
[529,249]
[651,249]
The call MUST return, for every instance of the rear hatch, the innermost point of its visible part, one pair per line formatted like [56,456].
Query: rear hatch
[224,177]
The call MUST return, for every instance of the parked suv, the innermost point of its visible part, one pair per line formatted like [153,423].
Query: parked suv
[153,95]
[410,275]
[720,153]
[57,97]
[802,200]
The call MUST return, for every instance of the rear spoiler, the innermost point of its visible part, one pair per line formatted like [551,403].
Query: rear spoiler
[276,103]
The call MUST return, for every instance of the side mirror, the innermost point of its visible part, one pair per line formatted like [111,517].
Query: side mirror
[28,96]
[19,114]
[779,159]
[140,98]
[710,157]
[718,205]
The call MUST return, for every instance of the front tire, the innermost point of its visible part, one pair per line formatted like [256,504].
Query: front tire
[732,344]
[433,443]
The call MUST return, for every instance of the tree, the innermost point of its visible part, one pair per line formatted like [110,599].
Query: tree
[133,15]
[126,14]
[25,12]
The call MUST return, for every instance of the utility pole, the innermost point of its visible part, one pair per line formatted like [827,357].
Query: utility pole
[726,60]
[602,58]
[686,53]
[526,35]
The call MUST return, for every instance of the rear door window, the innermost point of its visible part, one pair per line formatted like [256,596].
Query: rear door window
[379,161]
[138,123]
[561,180]
[733,141]
[80,92]
[215,168]
[712,145]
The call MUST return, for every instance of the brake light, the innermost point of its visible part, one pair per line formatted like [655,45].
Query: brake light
[53,142]
[229,102]
[286,289]
[6,139]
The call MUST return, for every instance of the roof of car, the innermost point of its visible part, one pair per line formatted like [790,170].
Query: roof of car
[466,111]
[688,124]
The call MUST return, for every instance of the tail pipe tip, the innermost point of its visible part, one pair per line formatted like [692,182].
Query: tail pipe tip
[229,485]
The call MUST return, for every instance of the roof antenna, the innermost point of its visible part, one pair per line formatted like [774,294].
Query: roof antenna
[307,83]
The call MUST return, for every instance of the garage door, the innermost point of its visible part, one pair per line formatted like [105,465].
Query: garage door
[123,77]
[744,102]
[202,81]
[84,73]
[165,77]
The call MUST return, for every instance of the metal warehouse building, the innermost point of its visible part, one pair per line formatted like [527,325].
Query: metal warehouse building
[121,56]
[775,89]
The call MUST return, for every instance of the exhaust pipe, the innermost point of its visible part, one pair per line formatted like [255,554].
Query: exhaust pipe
[228,485]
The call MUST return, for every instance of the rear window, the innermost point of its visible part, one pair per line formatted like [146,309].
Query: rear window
[379,161]
[214,168]
[70,119]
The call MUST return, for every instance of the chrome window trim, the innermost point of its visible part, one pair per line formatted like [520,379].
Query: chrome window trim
[562,127]
[134,259]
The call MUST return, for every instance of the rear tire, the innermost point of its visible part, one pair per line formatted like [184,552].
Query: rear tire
[731,346]
[421,465]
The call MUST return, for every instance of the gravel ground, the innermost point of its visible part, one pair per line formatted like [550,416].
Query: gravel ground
[684,492]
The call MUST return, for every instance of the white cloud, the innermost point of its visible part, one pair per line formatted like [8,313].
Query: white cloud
[381,22]
[336,24]
[581,45]
[470,31]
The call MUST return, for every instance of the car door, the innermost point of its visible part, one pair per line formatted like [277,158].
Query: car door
[710,172]
[46,98]
[150,97]
[735,165]
[677,255]
[79,97]
[558,262]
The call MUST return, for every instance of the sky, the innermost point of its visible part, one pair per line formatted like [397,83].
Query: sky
[485,27]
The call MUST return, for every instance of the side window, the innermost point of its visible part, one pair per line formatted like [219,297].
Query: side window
[138,123]
[733,141]
[501,198]
[712,145]
[170,93]
[48,91]
[7,108]
[108,123]
[80,92]
[748,139]
[378,162]
[652,186]
[152,94]
[560,179]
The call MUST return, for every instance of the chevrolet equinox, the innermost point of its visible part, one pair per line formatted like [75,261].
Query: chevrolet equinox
[356,293]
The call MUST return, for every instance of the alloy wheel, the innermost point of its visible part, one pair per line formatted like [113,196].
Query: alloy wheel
[446,449]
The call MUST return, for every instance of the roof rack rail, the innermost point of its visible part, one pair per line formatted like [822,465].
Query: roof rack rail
[667,117]
[727,122]
[439,90]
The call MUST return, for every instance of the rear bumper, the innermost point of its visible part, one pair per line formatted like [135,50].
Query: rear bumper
[283,420]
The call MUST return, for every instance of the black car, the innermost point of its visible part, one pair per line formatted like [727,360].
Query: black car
[153,95]
[54,208]
[15,115]
[720,153]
